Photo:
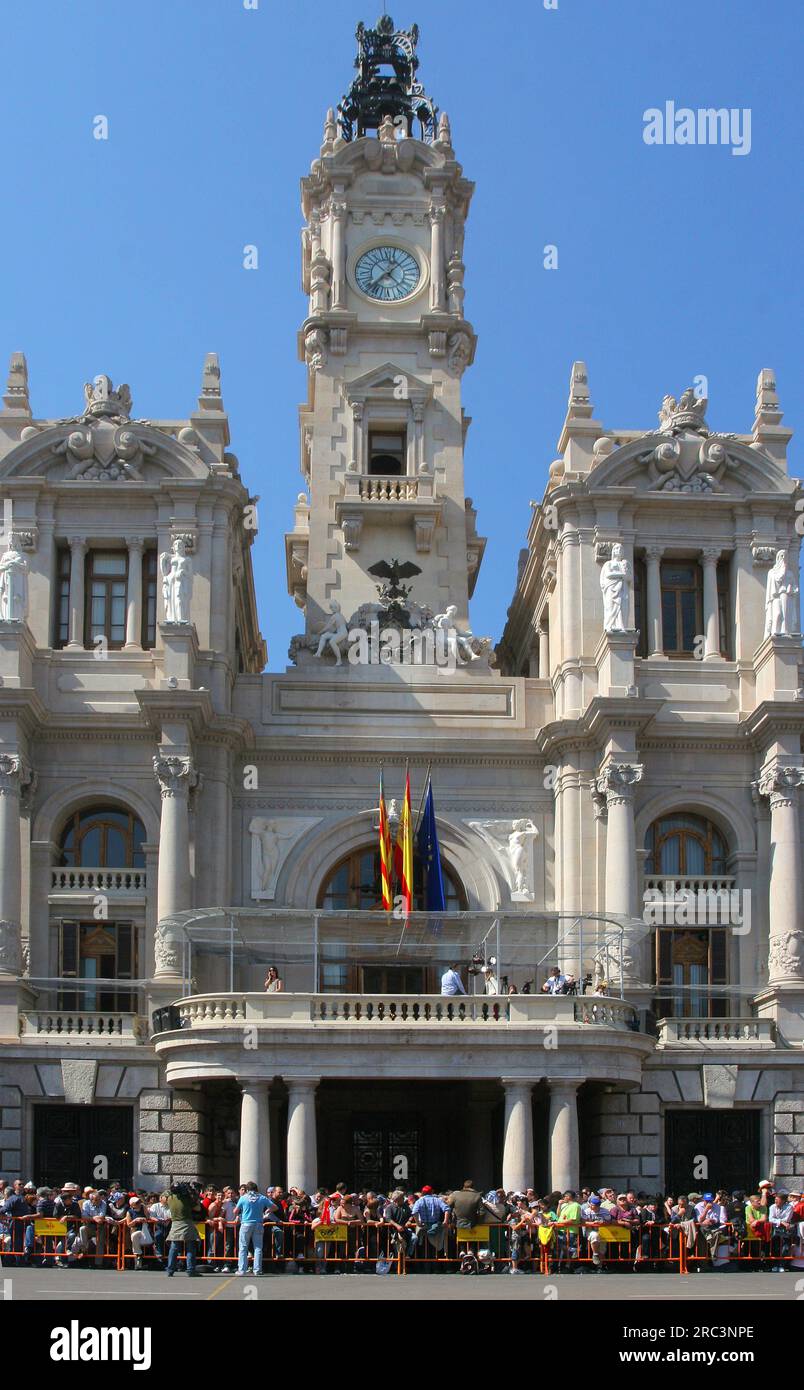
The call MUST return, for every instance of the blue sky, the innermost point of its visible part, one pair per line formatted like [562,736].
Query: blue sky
[125,256]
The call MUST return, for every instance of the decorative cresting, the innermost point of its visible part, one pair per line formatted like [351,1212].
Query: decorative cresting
[781,785]
[376,94]
[15,777]
[177,777]
[102,449]
[616,782]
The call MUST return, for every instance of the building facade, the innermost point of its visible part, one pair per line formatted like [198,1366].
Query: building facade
[616,783]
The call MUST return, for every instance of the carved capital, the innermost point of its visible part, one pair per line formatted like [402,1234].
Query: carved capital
[710,554]
[654,552]
[176,776]
[780,785]
[617,782]
[15,775]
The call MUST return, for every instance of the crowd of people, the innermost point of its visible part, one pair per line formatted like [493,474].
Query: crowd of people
[228,1229]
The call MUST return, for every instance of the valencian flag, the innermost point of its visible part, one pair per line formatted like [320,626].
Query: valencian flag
[403,853]
[430,856]
[385,852]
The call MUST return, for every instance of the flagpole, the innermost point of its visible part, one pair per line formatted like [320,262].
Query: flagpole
[424,794]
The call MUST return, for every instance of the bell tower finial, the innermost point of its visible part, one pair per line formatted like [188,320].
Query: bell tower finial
[386,87]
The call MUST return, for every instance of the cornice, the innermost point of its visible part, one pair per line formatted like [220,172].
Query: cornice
[24,705]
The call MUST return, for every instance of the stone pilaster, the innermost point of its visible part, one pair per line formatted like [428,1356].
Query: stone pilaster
[176,776]
[15,775]
[617,782]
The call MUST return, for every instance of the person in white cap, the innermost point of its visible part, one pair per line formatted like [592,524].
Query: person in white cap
[137,1225]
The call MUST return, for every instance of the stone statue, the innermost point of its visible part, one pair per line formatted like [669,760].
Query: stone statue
[268,835]
[13,583]
[458,643]
[177,582]
[615,582]
[333,634]
[509,838]
[780,592]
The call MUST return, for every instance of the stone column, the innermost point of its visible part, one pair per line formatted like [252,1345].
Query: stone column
[563,1136]
[134,596]
[255,1136]
[78,549]
[710,557]
[436,216]
[338,213]
[418,435]
[653,556]
[302,1150]
[786,915]
[517,1164]
[176,777]
[14,775]
[544,652]
[616,782]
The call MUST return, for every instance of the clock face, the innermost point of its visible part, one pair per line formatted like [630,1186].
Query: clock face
[387,273]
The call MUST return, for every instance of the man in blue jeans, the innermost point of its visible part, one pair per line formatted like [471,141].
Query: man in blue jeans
[250,1212]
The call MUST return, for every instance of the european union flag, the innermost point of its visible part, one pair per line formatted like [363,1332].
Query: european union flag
[430,855]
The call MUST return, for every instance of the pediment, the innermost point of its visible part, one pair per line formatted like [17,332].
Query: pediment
[102,450]
[688,463]
[385,382]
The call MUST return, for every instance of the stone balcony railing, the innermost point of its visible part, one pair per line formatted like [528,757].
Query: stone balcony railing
[670,885]
[375,489]
[128,882]
[82,1026]
[739,1032]
[388,501]
[284,1011]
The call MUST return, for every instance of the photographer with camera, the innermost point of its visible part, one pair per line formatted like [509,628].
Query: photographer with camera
[184,1205]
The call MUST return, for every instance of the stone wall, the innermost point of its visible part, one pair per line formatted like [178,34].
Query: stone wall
[175,1140]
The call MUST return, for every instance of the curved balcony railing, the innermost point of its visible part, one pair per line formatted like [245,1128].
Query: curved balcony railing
[407,1010]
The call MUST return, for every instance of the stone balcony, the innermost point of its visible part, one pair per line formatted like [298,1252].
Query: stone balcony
[71,884]
[388,501]
[79,1026]
[720,1032]
[237,1034]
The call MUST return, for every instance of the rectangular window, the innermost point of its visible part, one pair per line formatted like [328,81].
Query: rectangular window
[387,453]
[98,954]
[149,561]
[61,634]
[106,584]
[682,616]
[689,961]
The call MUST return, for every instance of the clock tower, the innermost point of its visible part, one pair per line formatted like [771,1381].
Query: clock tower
[386,344]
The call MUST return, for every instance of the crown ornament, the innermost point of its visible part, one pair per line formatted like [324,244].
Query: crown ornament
[686,413]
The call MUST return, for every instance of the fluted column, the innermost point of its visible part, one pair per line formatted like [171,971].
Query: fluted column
[255,1147]
[338,213]
[176,776]
[302,1141]
[134,596]
[517,1165]
[563,1136]
[14,775]
[436,216]
[786,905]
[78,550]
[653,557]
[616,782]
[710,557]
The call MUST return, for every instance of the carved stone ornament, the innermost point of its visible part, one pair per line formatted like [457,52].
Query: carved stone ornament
[686,413]
[167,953]
[272,838]
[780,784]
[13,582]
[176,775]
[460,351]
[617,782]
[15,775]
[101,448]
[615,586]
[512,842]
[786,956]
[315,349]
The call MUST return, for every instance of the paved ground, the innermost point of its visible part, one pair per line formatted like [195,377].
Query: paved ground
[45,1285]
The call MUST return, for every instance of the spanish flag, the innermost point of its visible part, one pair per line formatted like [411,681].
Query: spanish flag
[403,853]
[385,853]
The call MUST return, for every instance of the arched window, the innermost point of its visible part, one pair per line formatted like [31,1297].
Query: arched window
[355,885]
[684,844]
[102,837]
